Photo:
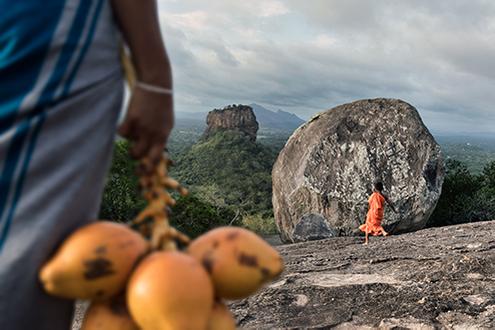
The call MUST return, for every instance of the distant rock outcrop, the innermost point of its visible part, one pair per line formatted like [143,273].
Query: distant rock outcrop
[238,118]
[437,278]
[329,164]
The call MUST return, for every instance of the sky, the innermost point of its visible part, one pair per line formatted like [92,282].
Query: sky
[308,56]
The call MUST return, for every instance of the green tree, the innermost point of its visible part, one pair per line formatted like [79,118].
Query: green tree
[193,216]
[122,200]
[457,203]
[229,168]
[485,196]
[489,177]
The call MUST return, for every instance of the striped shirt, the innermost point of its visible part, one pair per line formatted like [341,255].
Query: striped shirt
[43,45]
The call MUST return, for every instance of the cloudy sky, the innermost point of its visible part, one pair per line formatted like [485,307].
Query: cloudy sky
[308,56]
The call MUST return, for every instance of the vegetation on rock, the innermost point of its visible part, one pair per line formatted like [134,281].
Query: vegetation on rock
[231,171]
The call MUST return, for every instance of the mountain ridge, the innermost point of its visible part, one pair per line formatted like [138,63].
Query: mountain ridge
[276,119]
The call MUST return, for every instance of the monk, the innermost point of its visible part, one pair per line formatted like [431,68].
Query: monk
[373,224]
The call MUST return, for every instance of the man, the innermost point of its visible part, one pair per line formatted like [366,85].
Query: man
[61,91]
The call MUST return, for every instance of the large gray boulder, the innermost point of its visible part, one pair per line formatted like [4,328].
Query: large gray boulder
[329,164]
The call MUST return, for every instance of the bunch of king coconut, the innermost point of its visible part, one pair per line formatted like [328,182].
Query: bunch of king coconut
[140,279]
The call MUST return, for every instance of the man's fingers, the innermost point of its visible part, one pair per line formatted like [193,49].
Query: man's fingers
[155,153]
[140,148]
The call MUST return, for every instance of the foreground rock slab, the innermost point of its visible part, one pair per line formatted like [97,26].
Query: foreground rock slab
[438,278]
[329,164]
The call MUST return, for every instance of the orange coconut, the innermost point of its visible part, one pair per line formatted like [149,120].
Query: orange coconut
[94,262]
[109,315]
[170,291]
[221,318]
[238,261]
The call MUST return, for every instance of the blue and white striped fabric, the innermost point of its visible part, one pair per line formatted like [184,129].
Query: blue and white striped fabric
[60,95]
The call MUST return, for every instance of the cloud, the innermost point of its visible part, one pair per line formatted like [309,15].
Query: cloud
[272,8]
[309,56]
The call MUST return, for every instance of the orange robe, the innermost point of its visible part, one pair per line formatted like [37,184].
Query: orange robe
[375,215]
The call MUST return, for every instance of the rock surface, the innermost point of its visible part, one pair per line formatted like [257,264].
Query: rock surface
[238,118]
[329,164]
[438,278]
[312,227]
[79,312]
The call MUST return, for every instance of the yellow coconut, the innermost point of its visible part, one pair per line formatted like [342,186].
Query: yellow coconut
[170,291]
[221,318]
[109,315]
[238,260]
[94,262]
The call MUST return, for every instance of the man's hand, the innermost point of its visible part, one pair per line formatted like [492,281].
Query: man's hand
[149,120]
[150,116]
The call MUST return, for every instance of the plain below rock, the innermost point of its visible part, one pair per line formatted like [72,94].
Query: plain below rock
[312,227]
[329,164]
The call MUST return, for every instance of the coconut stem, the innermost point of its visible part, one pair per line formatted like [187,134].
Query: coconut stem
[154,188]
